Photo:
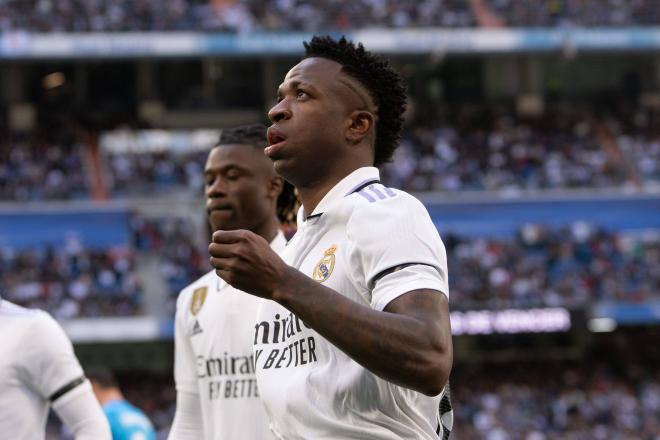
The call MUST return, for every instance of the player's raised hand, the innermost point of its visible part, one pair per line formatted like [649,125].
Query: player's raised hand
[246,261]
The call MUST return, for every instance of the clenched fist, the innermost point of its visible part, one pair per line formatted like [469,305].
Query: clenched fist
[246,261]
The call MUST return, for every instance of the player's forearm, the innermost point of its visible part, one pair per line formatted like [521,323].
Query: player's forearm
[406,350]
[188,423]
[80,412]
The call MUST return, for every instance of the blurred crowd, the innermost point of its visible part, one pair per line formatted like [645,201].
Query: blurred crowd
[581,403]
[156,173]
[577,13]
[540,266]
[72,280]
[486,148]
[291,15]
[469,149]
[569,267]
[228,16]
[174,241]
[32,170]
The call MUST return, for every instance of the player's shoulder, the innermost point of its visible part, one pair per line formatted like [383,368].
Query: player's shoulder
[205,281]
[21,314]
[378,196]
[378,201]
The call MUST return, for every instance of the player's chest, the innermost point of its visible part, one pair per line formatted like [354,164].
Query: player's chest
[322,254]
[221,322]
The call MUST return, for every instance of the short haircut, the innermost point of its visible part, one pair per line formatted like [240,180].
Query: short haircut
[256,136]
[252,134]
[379,78]
[102,376]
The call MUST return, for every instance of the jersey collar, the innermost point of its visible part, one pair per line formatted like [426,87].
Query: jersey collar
[344,187]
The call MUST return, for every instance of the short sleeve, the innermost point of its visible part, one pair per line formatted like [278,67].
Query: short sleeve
[50,362]
[394,248]
[185,375]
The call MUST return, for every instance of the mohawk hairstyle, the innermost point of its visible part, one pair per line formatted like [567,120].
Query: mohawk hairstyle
[256,136]
[375,73]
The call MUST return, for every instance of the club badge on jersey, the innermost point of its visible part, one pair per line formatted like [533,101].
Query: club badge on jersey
[198,298]
[324,268]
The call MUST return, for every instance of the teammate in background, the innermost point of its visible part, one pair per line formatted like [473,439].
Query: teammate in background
[38,369]
[126,421]
[356,342]
[217,394]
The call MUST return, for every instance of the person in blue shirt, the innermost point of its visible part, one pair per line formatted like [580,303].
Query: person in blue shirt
[127,422]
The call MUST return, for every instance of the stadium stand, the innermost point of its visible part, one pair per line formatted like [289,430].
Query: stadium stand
[577,13]
[244,16]
[72,281]
[571,267]
[593,401]
[182,259]
[156,173]
[553,208]
[474,148]
[286,15]
[32,170]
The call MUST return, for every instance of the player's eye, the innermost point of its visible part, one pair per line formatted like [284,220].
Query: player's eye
[301,94]
[232,175]
[209,180]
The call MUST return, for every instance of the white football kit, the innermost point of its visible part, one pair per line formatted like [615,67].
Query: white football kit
[371,244]
[38,368]
[214,330]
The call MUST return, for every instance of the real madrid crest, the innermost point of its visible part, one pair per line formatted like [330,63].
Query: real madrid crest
[198,298]
[323,268]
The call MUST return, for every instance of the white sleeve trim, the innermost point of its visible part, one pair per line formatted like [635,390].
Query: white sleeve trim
[188,423]
[81,413]
[400,282]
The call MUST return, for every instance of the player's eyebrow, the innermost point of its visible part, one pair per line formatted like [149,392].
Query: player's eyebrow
[293,84]
[223,169]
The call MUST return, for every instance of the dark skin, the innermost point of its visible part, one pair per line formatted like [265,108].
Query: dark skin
[322,117]
[241,190]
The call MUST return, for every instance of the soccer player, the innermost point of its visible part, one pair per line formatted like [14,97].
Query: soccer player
[217,393]
[126,421]
[356,341]
[38,369]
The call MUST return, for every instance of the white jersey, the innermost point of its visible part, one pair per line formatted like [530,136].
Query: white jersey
[37,367]
[214,330]
[371,244]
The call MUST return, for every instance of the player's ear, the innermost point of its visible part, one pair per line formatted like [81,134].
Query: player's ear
[361,122]
[275,187]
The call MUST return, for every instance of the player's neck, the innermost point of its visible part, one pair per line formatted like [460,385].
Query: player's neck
[312,193]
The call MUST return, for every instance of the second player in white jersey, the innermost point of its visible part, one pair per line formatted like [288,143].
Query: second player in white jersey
[38,369]
[214,357]
[217,393]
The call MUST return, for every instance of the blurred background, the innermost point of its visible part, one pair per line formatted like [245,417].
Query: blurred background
[532,136]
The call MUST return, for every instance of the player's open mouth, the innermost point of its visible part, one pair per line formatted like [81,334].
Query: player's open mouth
[276,141]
